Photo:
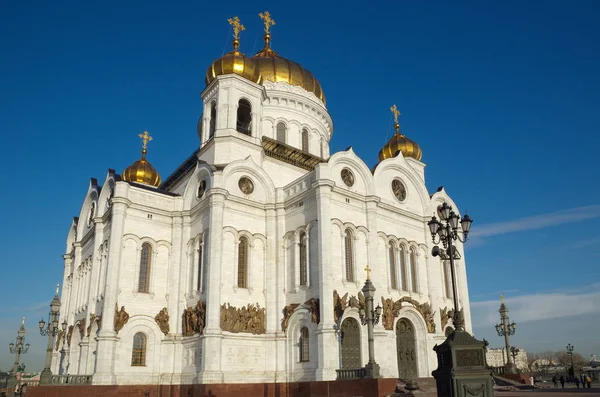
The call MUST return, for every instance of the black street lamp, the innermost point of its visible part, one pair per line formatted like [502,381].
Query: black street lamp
[514,351]
[17,349]
[51,330]
[506,328]
[370,317]
[447,232]
[570,349]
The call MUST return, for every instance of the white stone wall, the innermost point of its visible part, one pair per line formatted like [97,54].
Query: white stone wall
[496,357]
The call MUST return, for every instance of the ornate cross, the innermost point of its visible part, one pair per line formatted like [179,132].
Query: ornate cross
[145,139]
[396,113]
[237,26]
[266,17]
[368,270]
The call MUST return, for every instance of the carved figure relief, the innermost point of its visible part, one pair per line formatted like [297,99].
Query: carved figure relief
[445,316]
[99,322]
[70,334]
[315,310]
[249,318]
[81,328]
[162,319]
[339,305]
[347,177]
[201,188]
[391,310]
[287,313]
[194,319]
[121,318]
[246,185]
[358,303]
[59,338]
[89,328]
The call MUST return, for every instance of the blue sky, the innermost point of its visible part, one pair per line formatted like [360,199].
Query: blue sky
[503,98]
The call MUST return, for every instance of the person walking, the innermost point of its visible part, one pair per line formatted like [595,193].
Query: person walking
[562,381]
[577,382]
[588,381]
[555,381]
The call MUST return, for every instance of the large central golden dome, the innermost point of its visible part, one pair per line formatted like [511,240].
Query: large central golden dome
[272,67]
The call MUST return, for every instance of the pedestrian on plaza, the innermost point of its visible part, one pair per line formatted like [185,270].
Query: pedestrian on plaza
[582,380]
[555,381]
[588,380]
[562,381]
[577,382]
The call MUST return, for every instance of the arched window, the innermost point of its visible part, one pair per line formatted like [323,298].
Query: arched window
[349,248]
[447,279]
[303,265]
[243,262]
[413,271]
[281,132]
[403,272]
[244,117]
[304,350]
[304,140]
[200,258]
[145,267]
[213,120]
[138,353]
[393,271]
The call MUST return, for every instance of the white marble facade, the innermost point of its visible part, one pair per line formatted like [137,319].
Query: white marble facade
[195,242]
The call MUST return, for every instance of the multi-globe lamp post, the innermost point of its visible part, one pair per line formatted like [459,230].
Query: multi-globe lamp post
[18,348]
[570,349]
[50,330]
[369,316]
[506,329]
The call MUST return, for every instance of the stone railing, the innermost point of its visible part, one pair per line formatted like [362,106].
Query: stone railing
[71,380]
[343,374]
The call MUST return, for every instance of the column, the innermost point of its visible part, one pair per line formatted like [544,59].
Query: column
[107,337]
[273,302]
[328,346]
[212,332]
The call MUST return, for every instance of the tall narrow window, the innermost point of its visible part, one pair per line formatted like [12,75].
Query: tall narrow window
[281,132]
[447,279]
[243,263]
[213,120]
[403,272]
[303,265]
[138,353]
[349,248]
[304,140]
[413,271]
[393,271]
[200,258]
[244,117]
[304,349]
[145,267]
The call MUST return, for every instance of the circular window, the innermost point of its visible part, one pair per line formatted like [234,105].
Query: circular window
[201,188]
[399,189]
[246,185]
[347,177]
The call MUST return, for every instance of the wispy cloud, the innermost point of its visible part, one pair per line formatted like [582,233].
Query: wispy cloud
[585,243]
[571,215]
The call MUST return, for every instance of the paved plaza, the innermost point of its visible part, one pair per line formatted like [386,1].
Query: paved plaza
[550,393]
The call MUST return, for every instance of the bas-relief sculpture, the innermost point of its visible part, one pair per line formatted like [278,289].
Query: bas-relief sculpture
[358,303]
[445,316]
[249,318]
[391,310]
[312,305]
[89,328]
[59,338]
[162,319]
[81,327]
[70,334]
[339,305]
[194,319]
[121,318]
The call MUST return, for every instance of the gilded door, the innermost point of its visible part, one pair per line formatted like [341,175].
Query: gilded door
[350,344]
[406,349]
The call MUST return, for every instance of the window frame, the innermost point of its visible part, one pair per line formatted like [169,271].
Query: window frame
[139,352]
[242,265]
[304,345]
[145,268]
[349,254]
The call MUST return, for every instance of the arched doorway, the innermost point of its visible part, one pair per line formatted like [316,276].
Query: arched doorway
[350,344]
[406,349]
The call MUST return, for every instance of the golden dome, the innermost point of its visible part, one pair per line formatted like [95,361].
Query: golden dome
[273,67]
[233,62]
[399,143]
[142,171]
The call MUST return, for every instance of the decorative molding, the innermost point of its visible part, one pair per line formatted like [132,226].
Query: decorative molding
[288,310]
[249,319]
[70,334]
[194,319]
[162,320]
[339,306]
[289,154]
[391,310]
[121,318]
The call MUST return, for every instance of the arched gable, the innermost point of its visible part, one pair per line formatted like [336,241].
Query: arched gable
[397,166]
[264,188]
[363,183]
[108,189]
[85,215]
[438,199]
[72,235]
[202,172]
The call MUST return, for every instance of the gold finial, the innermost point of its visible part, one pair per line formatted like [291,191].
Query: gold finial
[368,270]
[502,298]
[237,28]
[268,21]
[396,113]
[145,137]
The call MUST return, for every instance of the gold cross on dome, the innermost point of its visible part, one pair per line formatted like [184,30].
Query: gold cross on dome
[145,139]
[237,26]
[396,113]
[368,270]
[502,298]
[266,17]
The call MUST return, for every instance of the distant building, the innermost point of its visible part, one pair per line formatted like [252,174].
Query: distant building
[496,358]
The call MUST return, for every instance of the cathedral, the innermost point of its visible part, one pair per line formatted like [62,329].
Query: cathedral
[246,264]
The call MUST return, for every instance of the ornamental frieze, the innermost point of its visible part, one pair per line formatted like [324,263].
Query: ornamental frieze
[391,310]
[162,320]
[249,318]
[313,307]
[194,319]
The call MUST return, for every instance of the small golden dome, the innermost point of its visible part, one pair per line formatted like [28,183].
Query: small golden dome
[399,143]
[273,67]
[142,171]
